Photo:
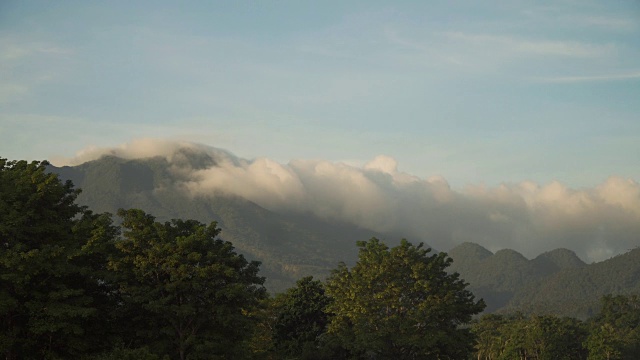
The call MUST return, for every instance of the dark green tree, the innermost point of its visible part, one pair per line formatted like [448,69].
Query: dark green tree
[621,311]
[615,332]
[52,263]
[490,341]
[401,303]
[186,292]
[300,319]
[549,338]
[536,337]
[605,343]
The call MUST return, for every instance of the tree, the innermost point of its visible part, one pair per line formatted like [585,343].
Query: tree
[490,341]
[537,337]
[300,319]
[186,292]
[400,303]
[621,311]
[604,343]
[615,330]
[51,266]
[559,337]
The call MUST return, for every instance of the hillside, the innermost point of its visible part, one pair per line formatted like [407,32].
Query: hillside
[495,277]
[289,246]
[555,282]
[292,245]
[576,291]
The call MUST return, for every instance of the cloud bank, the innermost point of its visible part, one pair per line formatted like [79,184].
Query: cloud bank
[596,223]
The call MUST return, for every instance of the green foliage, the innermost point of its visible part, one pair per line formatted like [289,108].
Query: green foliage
[300,319]
[400,303]
[615,330]
[71,288]
[122,353]
[185,292]
[50,267]
[604,343]
[490,340]
[535,337]
[621,311]
[612,334]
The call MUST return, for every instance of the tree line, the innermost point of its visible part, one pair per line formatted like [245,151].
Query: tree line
[612,334]
[80,285]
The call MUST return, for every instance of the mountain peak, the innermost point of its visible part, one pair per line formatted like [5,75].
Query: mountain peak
[561,258]
[509,254]
[470,251]
[191,158]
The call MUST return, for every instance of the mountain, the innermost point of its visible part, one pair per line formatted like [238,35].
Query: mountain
[289,246]
[556,282]
[558,259]
[576,291]
[494,277]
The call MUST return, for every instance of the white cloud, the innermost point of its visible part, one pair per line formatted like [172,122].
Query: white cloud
[386,164]
[527,217]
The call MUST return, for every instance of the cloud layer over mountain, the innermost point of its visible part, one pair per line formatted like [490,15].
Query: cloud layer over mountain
[596,223]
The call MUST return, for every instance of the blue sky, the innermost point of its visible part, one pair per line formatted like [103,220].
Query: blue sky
[477,92]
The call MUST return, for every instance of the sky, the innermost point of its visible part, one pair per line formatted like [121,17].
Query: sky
[477,92]
[481,95]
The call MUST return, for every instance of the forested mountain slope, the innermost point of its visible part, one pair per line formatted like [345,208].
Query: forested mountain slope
[556,282]
[289,246]
[575,291]
[494,277]
[293,245]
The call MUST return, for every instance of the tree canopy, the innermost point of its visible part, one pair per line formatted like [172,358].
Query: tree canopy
[49,265]
[186,290]
[72,285]
[400,303]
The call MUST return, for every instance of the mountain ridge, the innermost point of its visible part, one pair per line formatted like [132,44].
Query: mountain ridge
[291,245]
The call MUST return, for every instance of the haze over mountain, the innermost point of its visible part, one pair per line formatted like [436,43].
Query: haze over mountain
[596,223]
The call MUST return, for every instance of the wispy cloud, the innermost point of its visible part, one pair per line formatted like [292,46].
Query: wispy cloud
[611,23]
[512,44]
[16,48]
[590,78]
[12,92]
[25,64]
[503,55]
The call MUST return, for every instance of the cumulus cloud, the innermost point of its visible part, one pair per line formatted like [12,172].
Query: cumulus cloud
[531,218]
